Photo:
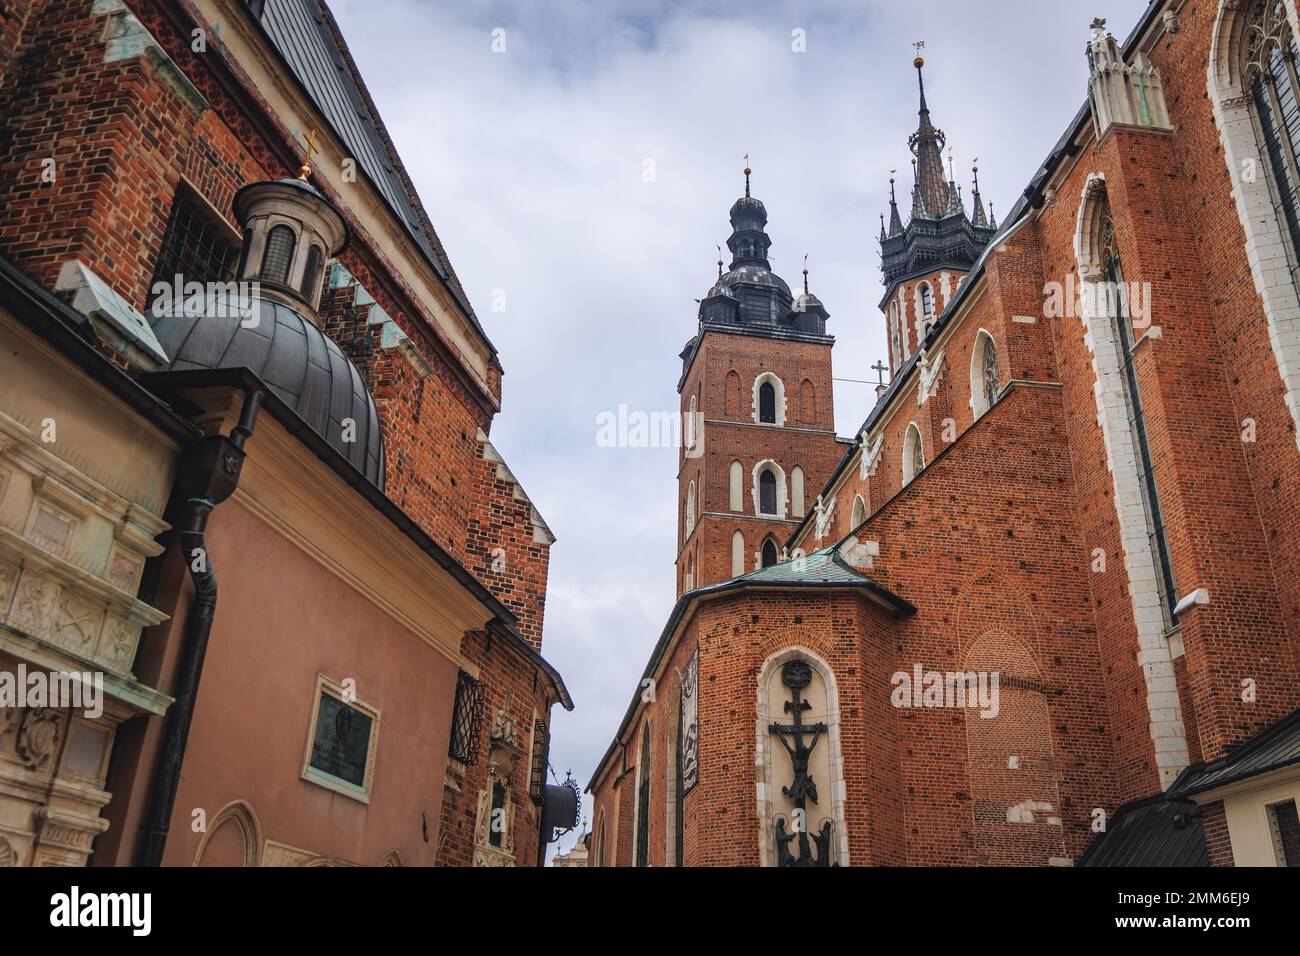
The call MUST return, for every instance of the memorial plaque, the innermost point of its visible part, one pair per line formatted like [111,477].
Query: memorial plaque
[342,741]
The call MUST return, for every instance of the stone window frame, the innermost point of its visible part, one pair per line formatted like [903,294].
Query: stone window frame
[778,387]
[737,566]
[241,814]
[324,685]
[1166,728]
[764,783]
[980,402]
[912,446]
[782,491]
[1267,248]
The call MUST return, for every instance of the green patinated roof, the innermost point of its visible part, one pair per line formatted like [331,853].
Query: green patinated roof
[824,566]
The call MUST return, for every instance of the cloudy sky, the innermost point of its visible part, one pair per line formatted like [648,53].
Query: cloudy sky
[580,175]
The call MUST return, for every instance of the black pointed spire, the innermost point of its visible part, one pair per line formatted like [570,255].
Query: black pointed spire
[895,221]
[979,217]
[883,235]
[927,145]
[993,220]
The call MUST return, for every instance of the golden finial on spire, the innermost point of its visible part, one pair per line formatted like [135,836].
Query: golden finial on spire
[719,248]
[305,170]
[805,266]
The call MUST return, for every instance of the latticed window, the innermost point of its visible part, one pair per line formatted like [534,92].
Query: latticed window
[1269,69]
[466,719]
[194,246]
[278,255]
[1125,343]
[541,758]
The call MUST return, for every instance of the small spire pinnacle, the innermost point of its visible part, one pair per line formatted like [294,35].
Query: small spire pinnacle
[805,266]
[993,220]
[883,235]
[719,248]
[747,172]
[979,218]
[895,222]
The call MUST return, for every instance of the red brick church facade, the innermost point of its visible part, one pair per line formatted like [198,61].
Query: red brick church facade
[1081,482]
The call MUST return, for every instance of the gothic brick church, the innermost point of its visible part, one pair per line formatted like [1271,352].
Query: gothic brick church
[1043,607]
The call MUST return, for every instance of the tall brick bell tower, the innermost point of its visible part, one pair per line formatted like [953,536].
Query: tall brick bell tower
[756,381]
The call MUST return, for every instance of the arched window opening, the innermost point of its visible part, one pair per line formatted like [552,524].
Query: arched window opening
[859,512]
[643,800]
[913,454]
[496,832]
[895,337]
[278,255]
[767,404]
[984,386]
[767,493]
[311,273]
[1125,343]
[736,491]
[770,555]
[1269,54]
[690,429]
[927,308]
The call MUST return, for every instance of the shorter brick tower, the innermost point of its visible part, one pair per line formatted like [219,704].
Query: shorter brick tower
[756,397]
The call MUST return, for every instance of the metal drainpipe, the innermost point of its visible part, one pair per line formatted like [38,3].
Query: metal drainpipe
[208,475]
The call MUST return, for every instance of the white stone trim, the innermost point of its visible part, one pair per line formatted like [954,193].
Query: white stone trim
[780,403]
[1168,732]
[782,498]
[1266,244]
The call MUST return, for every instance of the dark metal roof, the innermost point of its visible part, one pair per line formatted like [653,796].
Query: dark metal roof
[304,34]
[1272,749]
[1155,832]
[299,363]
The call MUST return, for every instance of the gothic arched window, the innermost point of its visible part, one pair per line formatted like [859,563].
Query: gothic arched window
[895,337]
[984,385]
[1269,54]
[767,404]
[859,513]
[767,493]
[913,453]
[769,553]
[643,800]
[278,255]
[1125,342]
[737,554]
[690,509]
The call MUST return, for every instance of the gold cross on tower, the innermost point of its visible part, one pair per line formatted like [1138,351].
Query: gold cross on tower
[305,170]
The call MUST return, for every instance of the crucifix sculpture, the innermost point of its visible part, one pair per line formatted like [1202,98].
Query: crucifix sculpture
[797,675]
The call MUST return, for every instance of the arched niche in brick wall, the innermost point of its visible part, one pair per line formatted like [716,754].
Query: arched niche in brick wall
[773,765]
[1011,762]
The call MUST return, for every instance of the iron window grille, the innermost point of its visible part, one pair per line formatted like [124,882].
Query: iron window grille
[193,246]
[541,758]
[466,720]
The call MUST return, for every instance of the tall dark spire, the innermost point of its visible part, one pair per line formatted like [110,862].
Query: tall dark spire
[927,146]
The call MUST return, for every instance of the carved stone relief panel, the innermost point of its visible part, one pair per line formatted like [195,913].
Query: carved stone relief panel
[33,604]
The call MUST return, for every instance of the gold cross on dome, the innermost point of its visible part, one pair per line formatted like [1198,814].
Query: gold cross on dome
[305,170]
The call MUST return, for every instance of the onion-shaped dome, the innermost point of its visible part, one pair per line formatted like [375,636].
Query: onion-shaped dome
[298,362]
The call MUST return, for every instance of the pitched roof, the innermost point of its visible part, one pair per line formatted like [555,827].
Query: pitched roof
[1155,832]
[1271,749]
[308,39]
